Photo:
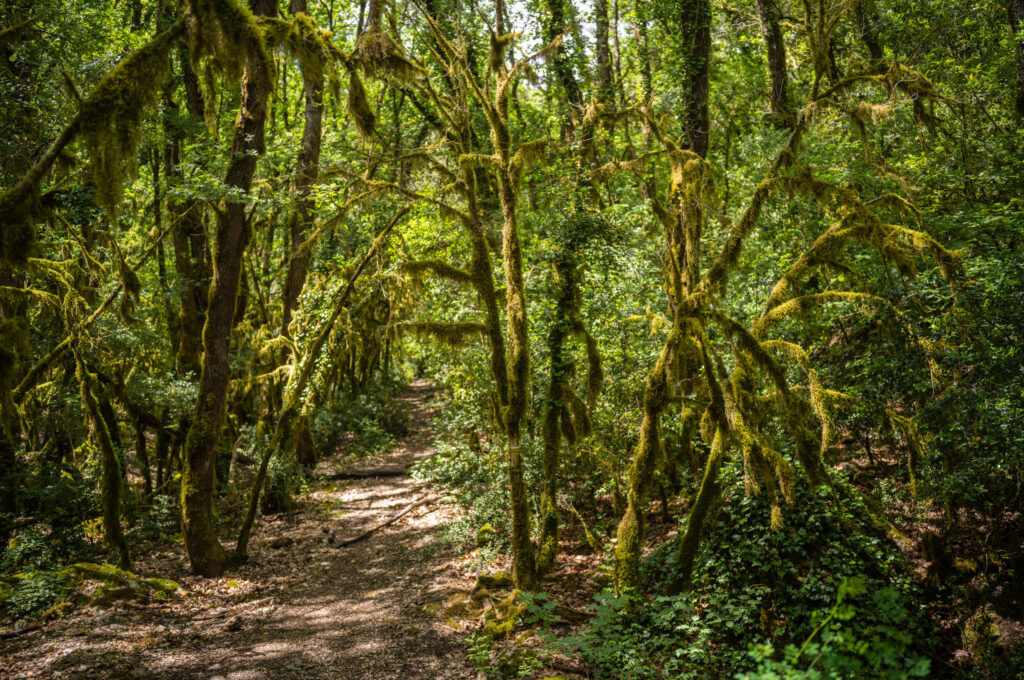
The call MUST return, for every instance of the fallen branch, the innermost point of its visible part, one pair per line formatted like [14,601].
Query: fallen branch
[7,635]
[364,474]
[391,520]
[566,668]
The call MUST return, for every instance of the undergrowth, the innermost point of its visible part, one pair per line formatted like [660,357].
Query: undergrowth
[824,597]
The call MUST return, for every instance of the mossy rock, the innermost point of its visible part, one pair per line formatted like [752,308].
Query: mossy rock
[502,618]
[512,660]
[983,638]
[162,585]
[106,596]
[118,584]
[458,605]
[99,572]
[431,609]
[499,579]
[499,628]
[484,535]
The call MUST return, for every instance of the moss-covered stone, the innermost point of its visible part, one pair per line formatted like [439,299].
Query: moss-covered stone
[484,535]
[499,579]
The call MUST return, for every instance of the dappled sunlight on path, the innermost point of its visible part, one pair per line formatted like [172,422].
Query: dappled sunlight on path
[305,607]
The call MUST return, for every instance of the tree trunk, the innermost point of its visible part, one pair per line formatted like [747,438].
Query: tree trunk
[643,49]
[142,453]
[780,107]
[710,490]
[557,25]
[307,170]
[233,232]
[191,256]
[518,382]
[1016,14]
[112,475]
[695,29]
[602,51]
[867,25]
[547,549]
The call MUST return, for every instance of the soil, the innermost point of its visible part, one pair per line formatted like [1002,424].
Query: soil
[302,607]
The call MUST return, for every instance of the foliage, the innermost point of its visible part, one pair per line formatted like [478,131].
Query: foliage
[770,591]
[823,303]
[366,424]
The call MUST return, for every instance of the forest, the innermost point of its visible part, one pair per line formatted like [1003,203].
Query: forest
[512,339]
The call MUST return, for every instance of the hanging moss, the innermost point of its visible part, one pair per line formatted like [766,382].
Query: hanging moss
[228,31]
[376,54]
[359,106]
[110,122]
[111,116]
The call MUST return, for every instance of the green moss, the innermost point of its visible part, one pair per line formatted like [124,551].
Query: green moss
[111,116]
[499,579]
[359,106]
[19,211]
[484,535]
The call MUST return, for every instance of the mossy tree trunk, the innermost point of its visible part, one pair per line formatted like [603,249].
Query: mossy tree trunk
[111,478]
[868,26]
[683,224]
[142,453]
[518,379]
[555,410]
[695,34]
[602,53]
[709,491]
[191,256]
[1016,15]
[307,169]
[205,552]
[646,454]
[775,47]
[683,221]
[557,24]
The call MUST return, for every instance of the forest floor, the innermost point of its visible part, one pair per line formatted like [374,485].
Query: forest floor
[304,606]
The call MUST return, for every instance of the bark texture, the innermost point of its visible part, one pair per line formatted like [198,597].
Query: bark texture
[781,109]
[1016,13]
[233,232]
[695,34]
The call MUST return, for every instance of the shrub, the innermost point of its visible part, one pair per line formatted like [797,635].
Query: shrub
[755,588]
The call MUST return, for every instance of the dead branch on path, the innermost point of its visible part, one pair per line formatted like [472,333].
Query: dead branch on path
[385,523]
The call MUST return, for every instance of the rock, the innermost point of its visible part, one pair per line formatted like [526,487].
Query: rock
[499,579]
[281,542]
[484,535]
[983,637]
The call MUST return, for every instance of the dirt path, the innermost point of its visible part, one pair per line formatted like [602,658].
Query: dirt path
[303,609]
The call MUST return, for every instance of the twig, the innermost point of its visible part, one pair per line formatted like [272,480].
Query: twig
[385,523]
